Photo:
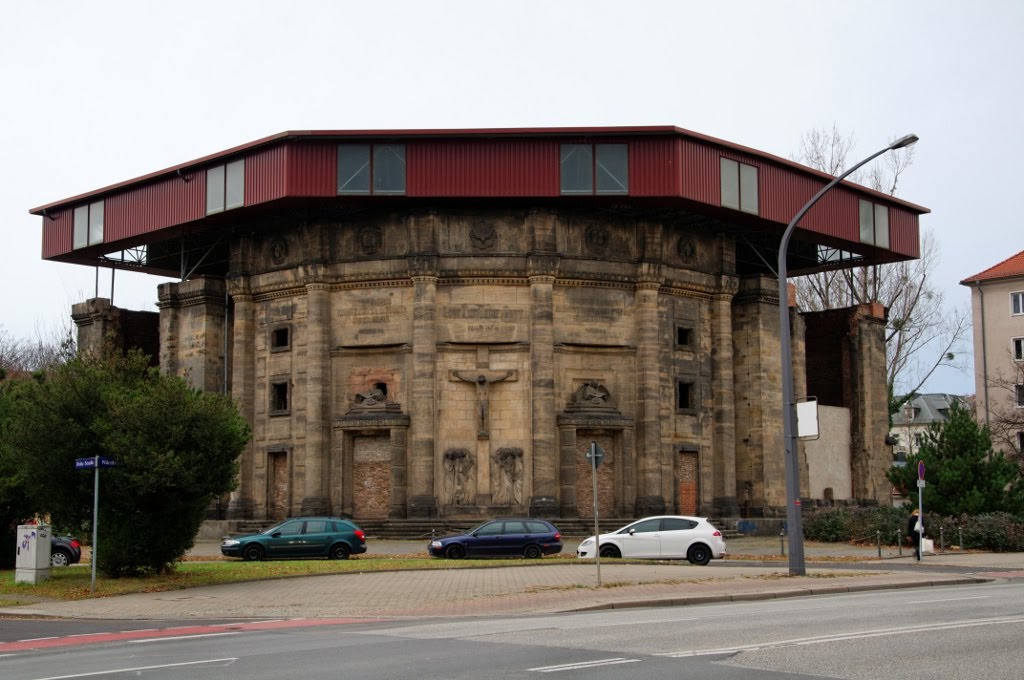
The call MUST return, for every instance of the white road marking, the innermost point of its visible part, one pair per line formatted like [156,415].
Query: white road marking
[582,665]
[839,637]
[51,637]
[182,637]
[224,662]
[952,599]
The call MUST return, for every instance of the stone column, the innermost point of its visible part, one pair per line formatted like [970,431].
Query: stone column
[649,500]
[543,501]
[318,331]
[723,399]
[869,396]
[98,323]
[169,321]
[422,496]
[243,385]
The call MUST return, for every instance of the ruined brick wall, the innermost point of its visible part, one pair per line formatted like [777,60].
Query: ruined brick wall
[371,477]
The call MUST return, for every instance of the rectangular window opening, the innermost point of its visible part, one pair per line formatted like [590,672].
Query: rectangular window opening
[225,187]
[684,336]
[368,169]
[1018,349]
[1017,303]
[1019,389]
[874,224]
[279,398]
[612,168]
[280,339]
[577,169]
[684,396]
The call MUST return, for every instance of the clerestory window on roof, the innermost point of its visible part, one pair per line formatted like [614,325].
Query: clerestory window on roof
[88,228]
[371,169]
[739,186]
[225,187]
[874,224]
[594,169]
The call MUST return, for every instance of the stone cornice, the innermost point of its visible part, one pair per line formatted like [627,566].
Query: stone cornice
[565,348]
[384,421]
[597,422]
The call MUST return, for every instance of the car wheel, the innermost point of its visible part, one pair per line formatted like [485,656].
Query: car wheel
[253,553]
[699,554]
[339,551]
[610,551]
[59,558]
[455,552]
[532,552]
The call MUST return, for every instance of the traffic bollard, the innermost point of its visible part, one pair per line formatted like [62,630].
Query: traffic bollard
[878,540]
[899,542]
[942,539]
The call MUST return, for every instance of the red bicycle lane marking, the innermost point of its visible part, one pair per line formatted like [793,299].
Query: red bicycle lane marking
[179,631]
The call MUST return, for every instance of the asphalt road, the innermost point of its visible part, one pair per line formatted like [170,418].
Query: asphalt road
[951,632]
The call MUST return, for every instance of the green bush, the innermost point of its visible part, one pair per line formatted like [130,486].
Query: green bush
[829,525]
[997,532]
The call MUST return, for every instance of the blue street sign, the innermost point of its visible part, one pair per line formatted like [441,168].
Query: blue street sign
[90,463]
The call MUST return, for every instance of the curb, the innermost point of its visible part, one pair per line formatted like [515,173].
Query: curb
[776,595]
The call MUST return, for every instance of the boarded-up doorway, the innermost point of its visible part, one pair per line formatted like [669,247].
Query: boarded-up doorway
[371,476]
[687,476]
[277,470]
[605,475]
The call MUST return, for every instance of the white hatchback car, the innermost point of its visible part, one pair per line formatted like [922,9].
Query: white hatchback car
[669,537]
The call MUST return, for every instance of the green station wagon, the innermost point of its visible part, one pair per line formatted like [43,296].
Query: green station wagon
[330,537]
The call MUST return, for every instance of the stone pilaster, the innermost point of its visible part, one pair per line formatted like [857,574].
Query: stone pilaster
[422,494]
[192,332]
[545,448]
[650,499]
[760,454]
[869,457]
[98,323]
[243,388]
[317,364]
[723,406]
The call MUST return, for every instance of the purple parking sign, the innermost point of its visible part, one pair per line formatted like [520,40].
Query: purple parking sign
[920,469]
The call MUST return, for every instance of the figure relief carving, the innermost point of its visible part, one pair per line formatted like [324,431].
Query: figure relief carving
[592,396]
[458,477]
[370,240]
[507,480]
[686,250]
[597,238]
[483,236]
[483,379]
[373,400]
[278,250]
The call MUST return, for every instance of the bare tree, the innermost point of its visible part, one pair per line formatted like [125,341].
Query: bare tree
[48,349]
[1005,419]
[922,333]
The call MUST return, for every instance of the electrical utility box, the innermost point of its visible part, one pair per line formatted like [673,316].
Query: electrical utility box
[32,562]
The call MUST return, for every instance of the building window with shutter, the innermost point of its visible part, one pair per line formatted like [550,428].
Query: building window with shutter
[88,227]
[874,224]
[739,186]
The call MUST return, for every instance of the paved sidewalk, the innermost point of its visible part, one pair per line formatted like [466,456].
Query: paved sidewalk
[551,586]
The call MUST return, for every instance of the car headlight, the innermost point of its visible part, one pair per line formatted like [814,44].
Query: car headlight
[589,541]
[435,544]
[228,543]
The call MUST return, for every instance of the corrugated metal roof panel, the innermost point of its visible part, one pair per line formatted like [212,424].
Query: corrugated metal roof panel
[482,168]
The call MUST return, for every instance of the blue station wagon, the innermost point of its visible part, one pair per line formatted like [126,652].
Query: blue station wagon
[330,537]
[531,538]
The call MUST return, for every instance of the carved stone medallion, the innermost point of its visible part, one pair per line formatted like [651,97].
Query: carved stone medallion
[686,250]
[370,240]
[482,236]
[278,250]
[597,238]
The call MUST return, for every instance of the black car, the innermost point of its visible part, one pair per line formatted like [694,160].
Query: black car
[64,551]
[330,537]
[514,536]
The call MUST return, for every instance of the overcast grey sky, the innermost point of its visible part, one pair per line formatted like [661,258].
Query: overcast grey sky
[100,92]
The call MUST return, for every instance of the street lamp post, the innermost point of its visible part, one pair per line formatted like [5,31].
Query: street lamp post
[794,521]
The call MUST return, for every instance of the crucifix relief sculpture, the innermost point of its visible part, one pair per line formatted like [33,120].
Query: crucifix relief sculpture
[483,379]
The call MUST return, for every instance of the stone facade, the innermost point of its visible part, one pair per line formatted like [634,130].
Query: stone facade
[458,364]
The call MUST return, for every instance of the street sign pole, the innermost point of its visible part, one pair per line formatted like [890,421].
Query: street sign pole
[95,520]
[597,534]
[920,509]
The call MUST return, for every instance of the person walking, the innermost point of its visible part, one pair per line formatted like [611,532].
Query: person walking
[915,530]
